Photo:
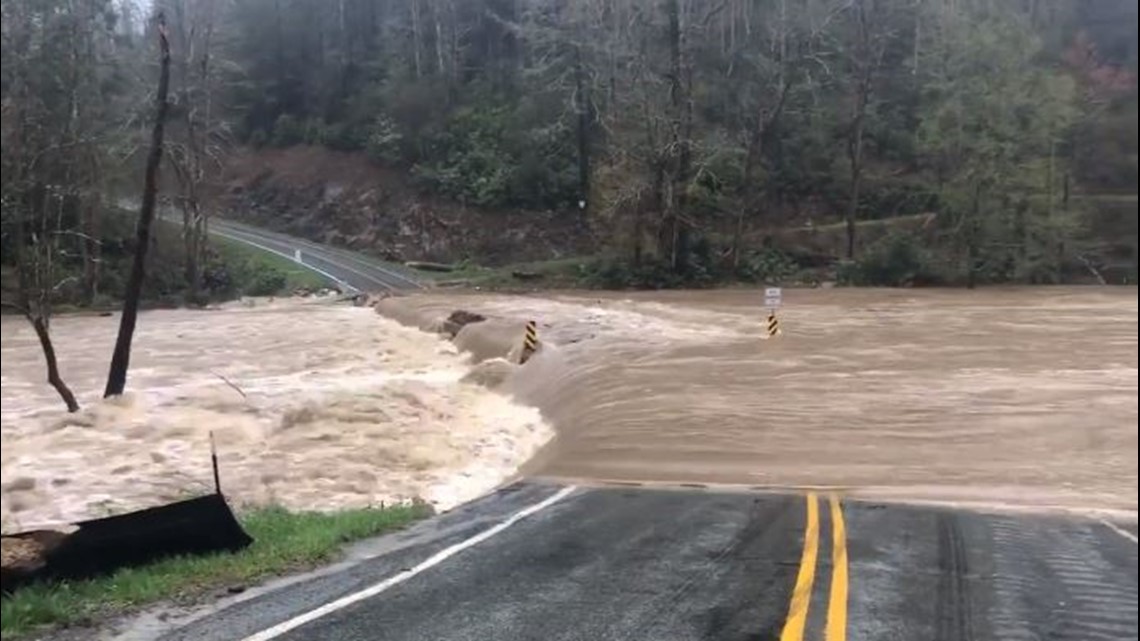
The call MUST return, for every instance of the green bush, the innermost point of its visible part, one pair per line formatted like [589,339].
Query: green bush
[314,132]
[288,131]
[769,265]
[620,274]
[895,261]
[258,138]
[483,158]
[383,141]
[343,137]
[265,281]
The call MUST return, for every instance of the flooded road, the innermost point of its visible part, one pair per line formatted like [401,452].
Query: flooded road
[1020,397]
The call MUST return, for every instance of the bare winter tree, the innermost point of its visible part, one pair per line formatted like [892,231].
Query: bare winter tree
[194,148]
[38,233]
[865,55]
[121,357]
[52,150]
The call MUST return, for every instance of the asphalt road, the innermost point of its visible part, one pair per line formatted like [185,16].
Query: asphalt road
[538,562]
[352,271]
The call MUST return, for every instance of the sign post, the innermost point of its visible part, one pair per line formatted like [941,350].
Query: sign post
[530,341]
[773,298]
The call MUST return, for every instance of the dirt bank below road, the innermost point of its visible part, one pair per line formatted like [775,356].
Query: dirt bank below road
[1018,396]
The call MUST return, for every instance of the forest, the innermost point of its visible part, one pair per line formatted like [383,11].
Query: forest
[910,141]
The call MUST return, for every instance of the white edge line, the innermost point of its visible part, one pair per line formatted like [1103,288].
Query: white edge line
[291,258]
[316,248]
[1119,530]
[433,560]
[239,235]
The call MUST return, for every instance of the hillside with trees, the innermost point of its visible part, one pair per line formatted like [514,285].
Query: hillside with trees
[683,141]
[686,130]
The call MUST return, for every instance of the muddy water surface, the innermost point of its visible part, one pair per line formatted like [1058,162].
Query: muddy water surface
[1023,397]
[1018,397]
[313,405]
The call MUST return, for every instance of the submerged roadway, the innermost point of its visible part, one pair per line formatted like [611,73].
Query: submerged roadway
[546,561]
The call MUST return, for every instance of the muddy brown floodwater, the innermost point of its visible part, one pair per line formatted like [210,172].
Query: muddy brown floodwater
[1013,397]
[313,405]
[1021,397]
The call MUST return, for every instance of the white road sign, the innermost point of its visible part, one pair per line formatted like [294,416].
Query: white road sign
[773,296]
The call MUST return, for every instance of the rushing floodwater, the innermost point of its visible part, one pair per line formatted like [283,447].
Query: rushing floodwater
[1023,397]
[337,407]
[1015,396]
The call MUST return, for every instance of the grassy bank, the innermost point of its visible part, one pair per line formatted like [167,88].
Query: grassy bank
[283,542]
[231,269]
[262,273]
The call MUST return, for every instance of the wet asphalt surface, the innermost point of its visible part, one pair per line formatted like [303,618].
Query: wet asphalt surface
[634,563]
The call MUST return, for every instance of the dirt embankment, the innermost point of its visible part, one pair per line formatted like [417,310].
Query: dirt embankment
[346,200]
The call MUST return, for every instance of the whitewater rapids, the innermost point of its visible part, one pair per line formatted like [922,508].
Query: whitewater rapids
[313,405]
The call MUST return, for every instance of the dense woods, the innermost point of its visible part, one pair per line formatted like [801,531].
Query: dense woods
[941,141]
[686,126]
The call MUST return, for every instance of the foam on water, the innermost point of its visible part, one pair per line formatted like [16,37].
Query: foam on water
[313,406]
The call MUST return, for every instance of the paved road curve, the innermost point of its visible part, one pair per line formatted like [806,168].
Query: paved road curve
[351,270]
[538,562]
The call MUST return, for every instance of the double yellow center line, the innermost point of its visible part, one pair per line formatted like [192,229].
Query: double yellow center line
[836,629]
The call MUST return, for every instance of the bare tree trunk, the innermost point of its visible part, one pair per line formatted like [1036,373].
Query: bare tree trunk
[39,313]
[416,35]
[91,251]
[678,153]
[40,324]
[121,358]
[972,238]
[34,272]
[856,156]
[582,106]
[438,39]
[752,156]
[867,59]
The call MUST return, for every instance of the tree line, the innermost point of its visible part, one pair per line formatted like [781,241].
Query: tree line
[63,81]
[682,127]
[689,134]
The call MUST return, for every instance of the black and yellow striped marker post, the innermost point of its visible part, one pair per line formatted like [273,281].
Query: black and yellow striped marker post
[530,341]
[773,324]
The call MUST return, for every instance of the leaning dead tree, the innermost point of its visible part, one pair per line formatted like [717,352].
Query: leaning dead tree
[121,358]
[37,248]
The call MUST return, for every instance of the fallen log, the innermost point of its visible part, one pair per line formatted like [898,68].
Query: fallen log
[430,267]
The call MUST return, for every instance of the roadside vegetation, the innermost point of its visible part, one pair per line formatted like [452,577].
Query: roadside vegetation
[688,136]
[284,542]
[230,270]
[253,272]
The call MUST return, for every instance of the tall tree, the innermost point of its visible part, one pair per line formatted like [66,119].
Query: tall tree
[121,357]
[870,31]
[55,55]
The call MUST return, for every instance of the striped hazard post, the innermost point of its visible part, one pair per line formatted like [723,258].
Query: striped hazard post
[773,298]
[530,341]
